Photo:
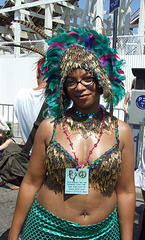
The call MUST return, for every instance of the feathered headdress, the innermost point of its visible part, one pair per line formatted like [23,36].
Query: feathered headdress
[95,55]
[103,62]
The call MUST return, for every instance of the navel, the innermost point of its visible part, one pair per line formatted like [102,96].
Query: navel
[84,214]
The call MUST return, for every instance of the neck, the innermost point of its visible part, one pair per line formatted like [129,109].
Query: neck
[40,86]
[85,124]
[88,110]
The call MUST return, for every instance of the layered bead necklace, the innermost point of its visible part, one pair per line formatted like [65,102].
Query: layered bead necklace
[91,119]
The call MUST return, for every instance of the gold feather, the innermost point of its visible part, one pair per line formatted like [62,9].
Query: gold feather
[33,27]
[27,47]
[102,23]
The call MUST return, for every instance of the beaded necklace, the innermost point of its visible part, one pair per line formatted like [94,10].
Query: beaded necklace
[84,124]
[85,162]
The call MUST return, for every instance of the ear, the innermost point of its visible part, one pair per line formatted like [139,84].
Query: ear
[100,90]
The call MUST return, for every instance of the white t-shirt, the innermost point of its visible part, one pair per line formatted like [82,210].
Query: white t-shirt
[27,105]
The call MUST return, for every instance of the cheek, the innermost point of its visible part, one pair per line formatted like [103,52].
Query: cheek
[97,89]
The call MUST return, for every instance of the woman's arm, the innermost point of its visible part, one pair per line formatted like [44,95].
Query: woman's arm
[6,143]
[125,187]
[126,100]
[33,179]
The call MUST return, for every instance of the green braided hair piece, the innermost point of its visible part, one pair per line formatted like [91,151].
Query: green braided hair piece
[105,57]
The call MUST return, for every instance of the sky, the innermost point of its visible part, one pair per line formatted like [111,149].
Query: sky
[2,2]
[135,4]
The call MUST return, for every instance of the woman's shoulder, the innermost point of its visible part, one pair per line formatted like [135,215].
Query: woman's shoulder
[125,132]
[45,130]
[47,123]
[123,126]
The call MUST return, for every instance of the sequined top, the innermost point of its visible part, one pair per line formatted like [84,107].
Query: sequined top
[103,172]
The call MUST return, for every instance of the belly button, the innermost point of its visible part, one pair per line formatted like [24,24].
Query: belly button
[85,214]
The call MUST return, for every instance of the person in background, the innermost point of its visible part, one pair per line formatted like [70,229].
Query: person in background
[27,104]
[6,137]
[80,179]
[3,125]
[6,134]
[127,100]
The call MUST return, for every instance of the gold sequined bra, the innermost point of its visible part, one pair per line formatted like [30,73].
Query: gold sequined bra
[103,172]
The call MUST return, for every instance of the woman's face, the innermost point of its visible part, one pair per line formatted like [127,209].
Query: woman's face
[85,97]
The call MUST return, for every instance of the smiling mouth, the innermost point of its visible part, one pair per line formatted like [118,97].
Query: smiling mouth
[82,96]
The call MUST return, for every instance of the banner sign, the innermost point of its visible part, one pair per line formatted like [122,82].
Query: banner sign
[140,102]
[114,4]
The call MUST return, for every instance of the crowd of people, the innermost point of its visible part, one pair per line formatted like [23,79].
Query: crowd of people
[80,180]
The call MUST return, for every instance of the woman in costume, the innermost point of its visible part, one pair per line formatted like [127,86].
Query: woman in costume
[80,180]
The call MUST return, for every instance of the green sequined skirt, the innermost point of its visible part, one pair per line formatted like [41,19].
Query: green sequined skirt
[41,224]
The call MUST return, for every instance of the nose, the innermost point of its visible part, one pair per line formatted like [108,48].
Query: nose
[80,86]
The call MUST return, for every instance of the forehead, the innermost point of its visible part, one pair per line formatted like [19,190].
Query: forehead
[78,72]
[75,57]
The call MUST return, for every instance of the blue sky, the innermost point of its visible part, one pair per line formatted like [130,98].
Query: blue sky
[134,5]
[2,2]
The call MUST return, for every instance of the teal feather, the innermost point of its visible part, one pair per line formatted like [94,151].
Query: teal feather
[53,84]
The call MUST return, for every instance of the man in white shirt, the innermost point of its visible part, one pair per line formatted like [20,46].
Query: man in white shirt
[27,104]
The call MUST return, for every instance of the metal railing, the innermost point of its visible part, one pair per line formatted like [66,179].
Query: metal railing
[130,44]
[126,45]
[119,113]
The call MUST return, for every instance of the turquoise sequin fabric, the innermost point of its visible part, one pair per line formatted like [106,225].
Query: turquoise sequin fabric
[42,225]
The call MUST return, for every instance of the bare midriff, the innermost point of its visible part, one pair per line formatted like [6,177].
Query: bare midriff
[91,208]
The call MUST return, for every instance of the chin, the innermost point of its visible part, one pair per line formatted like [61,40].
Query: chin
[90,104]
[86,107]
